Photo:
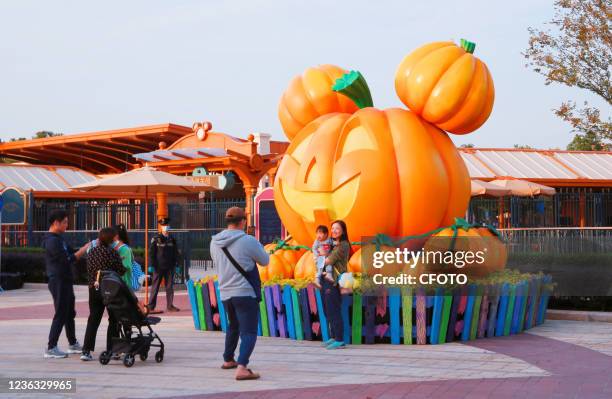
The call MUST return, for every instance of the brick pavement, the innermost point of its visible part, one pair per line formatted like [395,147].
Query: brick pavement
[561,359]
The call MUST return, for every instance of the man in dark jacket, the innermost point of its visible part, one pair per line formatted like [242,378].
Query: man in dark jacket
[59,261]
[164,256]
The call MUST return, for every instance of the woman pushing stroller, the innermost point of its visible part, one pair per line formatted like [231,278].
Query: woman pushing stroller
[101,257]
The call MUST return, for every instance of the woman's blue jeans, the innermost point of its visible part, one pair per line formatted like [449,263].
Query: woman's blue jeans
[332,300]
[243,315]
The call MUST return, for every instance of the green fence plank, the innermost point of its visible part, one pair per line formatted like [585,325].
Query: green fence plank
[297,315]
[526,291]
[356,325]
[448,301]
[476,312]
[265,330]
[510,311]
[200,307]
[407,315]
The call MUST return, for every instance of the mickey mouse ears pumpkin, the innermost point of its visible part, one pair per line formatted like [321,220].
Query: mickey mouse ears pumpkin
[443,83]
[309,96]
[447,86]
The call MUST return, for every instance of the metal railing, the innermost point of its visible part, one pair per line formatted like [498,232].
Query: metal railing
[561,210]
[559,240]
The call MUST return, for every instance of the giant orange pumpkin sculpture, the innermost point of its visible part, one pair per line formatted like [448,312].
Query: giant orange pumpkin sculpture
[310,96]
[447,86]
[381,171]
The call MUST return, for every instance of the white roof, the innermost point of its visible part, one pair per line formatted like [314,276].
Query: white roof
[42,178]
[184,153]
[537,164]
[590,166]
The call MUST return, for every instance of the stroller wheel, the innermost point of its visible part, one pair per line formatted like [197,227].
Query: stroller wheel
[159,356]
[144,356]
[128,360]
[104,358]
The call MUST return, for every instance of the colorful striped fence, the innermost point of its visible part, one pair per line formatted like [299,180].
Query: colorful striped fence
[396,316]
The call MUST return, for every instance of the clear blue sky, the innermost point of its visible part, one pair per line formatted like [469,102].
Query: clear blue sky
[84,66]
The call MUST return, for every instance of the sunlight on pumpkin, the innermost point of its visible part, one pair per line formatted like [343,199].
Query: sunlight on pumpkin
[304,203]
[358,139]
[299,151]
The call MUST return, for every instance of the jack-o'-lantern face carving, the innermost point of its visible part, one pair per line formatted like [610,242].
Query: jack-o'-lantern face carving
[381,171]
[314,186]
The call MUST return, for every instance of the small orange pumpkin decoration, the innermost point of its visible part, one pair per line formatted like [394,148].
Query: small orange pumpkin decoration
[281,264]
[472,239]
[305,268]
[309,96]
[447,86]
[381,171]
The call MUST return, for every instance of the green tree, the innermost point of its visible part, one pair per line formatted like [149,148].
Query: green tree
[469,145]
[577,52]
[522,146]
[585,142]
[45,133]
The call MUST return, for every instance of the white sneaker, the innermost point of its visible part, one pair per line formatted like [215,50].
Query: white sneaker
[86,356]
[75,348]
[54,353]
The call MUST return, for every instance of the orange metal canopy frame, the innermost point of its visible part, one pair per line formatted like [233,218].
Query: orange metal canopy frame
[97,152]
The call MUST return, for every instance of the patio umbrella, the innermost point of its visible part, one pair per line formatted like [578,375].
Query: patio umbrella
[524,188]
[145,180]
[480,187]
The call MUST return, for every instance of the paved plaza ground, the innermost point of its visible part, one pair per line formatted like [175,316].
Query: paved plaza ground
[560,359]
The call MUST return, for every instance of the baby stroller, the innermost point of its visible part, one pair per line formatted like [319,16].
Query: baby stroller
[122,306]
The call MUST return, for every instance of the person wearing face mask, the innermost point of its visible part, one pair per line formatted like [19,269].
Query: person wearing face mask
[163,257]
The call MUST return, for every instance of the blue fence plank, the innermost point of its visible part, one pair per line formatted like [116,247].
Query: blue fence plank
[502,309]
[492,317]
[518,307]
[543,300]
[193,303]
[437,315]
[467,317]
[347,301]
[394,315]
[222,314]
[322,318]
[289,311]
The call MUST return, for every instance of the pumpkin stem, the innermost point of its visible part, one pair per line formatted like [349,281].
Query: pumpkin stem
[468,46]
[353,85]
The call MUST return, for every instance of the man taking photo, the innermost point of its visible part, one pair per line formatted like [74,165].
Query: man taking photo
[235,254]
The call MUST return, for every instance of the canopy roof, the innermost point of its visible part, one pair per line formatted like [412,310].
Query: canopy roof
[551,167]
[177,154]
[108,151]
[42,178]
[143,180]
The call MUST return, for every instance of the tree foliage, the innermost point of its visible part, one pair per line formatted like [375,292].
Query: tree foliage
[585,142]
[45,133]
[577,51]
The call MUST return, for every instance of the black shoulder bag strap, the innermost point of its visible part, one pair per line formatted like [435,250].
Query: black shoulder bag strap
[244,273]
